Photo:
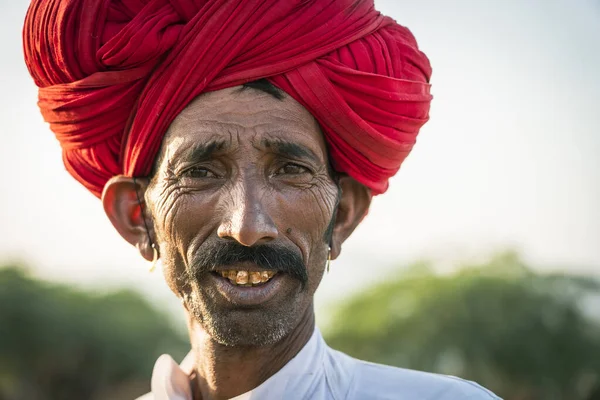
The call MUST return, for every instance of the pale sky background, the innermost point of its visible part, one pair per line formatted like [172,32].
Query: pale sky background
[510,158]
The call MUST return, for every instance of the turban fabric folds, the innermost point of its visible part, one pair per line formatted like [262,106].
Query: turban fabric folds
[114,74]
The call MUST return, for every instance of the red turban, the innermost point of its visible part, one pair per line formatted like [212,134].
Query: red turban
[113,74]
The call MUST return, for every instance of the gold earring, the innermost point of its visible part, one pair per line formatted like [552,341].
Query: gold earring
[154,258]
[328,257]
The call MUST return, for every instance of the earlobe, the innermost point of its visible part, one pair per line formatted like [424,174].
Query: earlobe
[352,208]
[122,200]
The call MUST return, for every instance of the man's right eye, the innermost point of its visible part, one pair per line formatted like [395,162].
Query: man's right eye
[198,172]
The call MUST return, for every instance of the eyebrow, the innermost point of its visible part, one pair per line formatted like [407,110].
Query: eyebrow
[201,151]
[290,149]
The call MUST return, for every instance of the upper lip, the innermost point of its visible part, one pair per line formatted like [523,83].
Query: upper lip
[242,266]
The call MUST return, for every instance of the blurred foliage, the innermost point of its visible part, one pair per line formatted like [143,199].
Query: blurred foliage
[60,343]
[524,335]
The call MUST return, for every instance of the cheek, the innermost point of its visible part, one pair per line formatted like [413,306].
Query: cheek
[169,205]
[181,219]
[307,214]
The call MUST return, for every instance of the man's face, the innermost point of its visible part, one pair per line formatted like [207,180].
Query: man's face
[242,189]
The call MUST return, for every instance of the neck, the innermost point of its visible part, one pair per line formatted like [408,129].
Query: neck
[225,372]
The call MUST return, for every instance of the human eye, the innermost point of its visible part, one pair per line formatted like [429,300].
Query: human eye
[292,169]
[198,172]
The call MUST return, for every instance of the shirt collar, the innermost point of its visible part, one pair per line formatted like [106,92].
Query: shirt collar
[297,375]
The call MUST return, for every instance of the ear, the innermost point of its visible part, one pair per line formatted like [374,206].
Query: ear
[352,208]
[123,199]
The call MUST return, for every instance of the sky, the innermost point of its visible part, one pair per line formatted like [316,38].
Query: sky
[509,159]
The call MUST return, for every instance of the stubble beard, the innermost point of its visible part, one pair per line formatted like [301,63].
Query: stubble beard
[252,327]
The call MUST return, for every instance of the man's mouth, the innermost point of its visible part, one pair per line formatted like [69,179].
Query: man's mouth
[249,286]
[247,278]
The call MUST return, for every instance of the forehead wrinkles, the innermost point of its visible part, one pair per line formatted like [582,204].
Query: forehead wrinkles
[226,102]
[232,116]
[226,137]
[243,107]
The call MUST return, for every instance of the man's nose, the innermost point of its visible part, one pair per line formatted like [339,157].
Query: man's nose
[248,222]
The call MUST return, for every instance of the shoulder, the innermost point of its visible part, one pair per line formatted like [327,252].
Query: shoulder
[376,381]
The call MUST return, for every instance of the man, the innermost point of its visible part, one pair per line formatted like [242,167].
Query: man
[239,143]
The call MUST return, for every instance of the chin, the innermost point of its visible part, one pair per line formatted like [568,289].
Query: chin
[255,327]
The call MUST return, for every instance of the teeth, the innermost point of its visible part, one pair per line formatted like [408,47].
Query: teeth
[255,277]
[245,278]
[232,275]
[241,278]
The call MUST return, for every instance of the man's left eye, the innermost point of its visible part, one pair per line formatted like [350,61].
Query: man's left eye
[293,169]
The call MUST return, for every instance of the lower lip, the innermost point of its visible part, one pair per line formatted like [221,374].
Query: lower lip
[249,295]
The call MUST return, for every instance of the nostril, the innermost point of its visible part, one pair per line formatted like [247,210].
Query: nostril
[248,228]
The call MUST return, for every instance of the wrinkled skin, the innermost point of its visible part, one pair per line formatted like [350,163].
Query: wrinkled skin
[240,165]
[250,189]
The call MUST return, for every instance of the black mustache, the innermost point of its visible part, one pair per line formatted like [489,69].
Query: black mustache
[270,257]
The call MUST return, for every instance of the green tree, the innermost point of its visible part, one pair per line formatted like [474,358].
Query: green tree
[523,335]
[60,343]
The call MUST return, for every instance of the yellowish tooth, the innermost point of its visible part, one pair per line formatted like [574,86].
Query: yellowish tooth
[232,275]
[271,274]
[264,276]
[241,278]
[224,274]
[255,277]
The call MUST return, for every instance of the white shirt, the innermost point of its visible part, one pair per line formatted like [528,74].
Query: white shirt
[319,372]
